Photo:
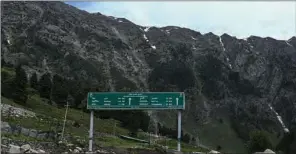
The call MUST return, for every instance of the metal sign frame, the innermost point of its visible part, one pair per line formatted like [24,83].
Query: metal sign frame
[92,113]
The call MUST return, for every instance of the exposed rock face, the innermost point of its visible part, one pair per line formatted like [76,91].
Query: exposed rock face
[252,82]
[8,110]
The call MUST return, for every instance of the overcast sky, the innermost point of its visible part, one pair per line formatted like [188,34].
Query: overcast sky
[240,19]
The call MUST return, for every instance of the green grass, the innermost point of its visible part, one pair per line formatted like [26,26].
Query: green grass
[211,134]
[49,113]
[9,71]
[21,137]
[172,144]
[223,136]
[216,133]
[274,139]
[117,142]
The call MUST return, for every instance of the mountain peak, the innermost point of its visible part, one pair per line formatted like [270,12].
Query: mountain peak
[220,74]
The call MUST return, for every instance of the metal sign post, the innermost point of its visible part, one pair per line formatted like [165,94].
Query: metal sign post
[179,130]
[179,127]
[91,128]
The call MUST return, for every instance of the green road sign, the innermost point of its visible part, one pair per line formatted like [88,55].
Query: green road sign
[135,101]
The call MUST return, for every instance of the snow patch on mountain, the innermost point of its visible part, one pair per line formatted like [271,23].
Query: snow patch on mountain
[193,38]
[193,47]
[147,40]
[146,29]
[279,118]
[221,42]
[66,54]
[153,47]
[145,37]
[288,44]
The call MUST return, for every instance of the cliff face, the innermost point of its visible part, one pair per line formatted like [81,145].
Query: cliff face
[232,85]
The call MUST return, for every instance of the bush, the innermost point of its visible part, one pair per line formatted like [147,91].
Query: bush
[45,86]
[259,141]
[186,138]
[20,86]
[7,81]
[34,81]
[221,120]
[218,148]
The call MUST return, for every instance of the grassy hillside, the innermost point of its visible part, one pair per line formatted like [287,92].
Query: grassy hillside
[215,132]
[49,115]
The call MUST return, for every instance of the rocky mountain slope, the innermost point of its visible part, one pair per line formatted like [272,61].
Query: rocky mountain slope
[232,85]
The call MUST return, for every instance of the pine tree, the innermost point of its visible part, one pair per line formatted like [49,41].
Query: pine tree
[20,86]
[186,138]
[59,90]
[34,81]
[45,86]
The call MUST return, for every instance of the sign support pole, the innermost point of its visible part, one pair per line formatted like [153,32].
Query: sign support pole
[179,130]
[179,127]
[91,128]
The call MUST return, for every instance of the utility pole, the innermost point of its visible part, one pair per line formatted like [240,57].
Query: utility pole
[156,128]
[150,127]
[65,118]
[114,127]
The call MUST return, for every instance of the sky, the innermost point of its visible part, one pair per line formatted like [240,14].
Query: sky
[240,19]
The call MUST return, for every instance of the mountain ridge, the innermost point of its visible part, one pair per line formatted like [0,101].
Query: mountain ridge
[244,82]
[206,33]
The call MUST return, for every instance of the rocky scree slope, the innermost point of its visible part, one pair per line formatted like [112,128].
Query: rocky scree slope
[251,81]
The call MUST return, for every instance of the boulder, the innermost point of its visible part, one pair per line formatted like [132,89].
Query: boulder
[41,151]
[33,133]
[17,129]
[14,149]
[269,151]
[213,151]
[25,148]
[33,151]
[42,135]
[76,151]
[25,131]
[4,148]
[79,149]
[102,151]
[5,127]
[70,145]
